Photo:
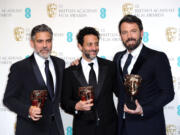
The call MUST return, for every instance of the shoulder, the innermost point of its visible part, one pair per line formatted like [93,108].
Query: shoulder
[118,54]
[58,60]
[22,63]
[155,53]
[106,62]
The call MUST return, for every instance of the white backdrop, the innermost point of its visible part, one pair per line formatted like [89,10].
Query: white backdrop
[161,20]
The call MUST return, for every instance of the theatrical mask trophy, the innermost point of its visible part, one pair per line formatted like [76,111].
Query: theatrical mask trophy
[38,98]
[86,93]
[132,83]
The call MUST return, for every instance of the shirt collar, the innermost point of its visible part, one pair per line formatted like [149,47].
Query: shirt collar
[41,60]
[84,62]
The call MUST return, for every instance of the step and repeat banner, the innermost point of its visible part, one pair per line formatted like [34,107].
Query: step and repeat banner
[161,20]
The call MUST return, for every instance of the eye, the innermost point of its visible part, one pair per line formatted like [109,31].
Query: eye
[124,32]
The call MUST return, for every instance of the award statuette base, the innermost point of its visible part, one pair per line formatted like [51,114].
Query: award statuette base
[130,103]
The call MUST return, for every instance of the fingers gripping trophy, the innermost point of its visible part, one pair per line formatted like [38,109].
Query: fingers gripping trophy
[132,83]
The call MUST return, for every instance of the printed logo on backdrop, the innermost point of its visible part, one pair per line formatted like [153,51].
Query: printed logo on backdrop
[8,60]
[28,13]
[179,12]
[171,34]
[55,10]
[171,129]
[51,10]
[127,8]
[150,11]
[178,110]
[145,37]
[18,33]
[108,36]
[69,36]
[69,130]
[21,33]
[10,12]
[54,53]
[103,13]
[178,61]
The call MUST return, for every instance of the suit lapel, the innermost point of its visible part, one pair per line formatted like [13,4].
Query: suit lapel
[59,76]
[141,59]
[37,72]
[101,77]
[80,75]
[120,73]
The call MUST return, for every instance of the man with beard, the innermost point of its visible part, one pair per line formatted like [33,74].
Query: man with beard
[156,88]
[97,114]
[38,72]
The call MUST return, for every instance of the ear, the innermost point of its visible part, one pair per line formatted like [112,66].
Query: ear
[142,32]
[80,47]
[32,43]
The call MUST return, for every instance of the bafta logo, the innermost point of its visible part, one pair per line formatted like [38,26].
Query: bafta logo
[171,130]
[54,53]
[171,34]
[51,10]
[18,33]
[127,8]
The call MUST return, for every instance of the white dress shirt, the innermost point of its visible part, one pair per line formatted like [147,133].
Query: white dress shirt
[86,68]
[135,53]
[41,64]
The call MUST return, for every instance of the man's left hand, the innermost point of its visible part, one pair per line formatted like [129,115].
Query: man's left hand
[138,109]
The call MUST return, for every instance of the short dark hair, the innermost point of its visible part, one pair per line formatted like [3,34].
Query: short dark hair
[131,19]
[86,31]
[41,28]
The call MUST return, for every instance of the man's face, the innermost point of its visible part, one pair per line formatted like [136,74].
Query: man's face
[131,35]
[90,47]
[42,44]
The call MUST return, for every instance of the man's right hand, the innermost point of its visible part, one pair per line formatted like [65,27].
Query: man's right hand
[75,62]
[35,113]
[84,105]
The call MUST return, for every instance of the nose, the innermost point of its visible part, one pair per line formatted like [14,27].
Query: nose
[44,44]
[94,47]
[129,35]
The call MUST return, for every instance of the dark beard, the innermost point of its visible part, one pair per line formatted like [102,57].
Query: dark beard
[88,56]
[132,47]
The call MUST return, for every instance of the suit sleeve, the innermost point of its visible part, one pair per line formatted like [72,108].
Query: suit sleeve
[68,102]
[13,92]
[163,78]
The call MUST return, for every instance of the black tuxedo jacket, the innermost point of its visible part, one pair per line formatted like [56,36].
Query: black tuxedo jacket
[156,90]
[24,77]
[105,122]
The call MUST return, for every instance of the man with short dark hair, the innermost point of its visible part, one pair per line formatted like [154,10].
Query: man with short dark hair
[94,116]
[156,88]
[38,72]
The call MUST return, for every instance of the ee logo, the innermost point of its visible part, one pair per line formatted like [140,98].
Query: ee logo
[178,110]
[69,130]
[179,12]
[69,37]
[146,37]
[27,12]
[178,61]
[103,13]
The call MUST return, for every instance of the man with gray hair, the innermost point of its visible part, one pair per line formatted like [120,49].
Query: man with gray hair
[35,74]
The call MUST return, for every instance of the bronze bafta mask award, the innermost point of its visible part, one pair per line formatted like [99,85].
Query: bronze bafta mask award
[86,93]
[132,83]
[38,98]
